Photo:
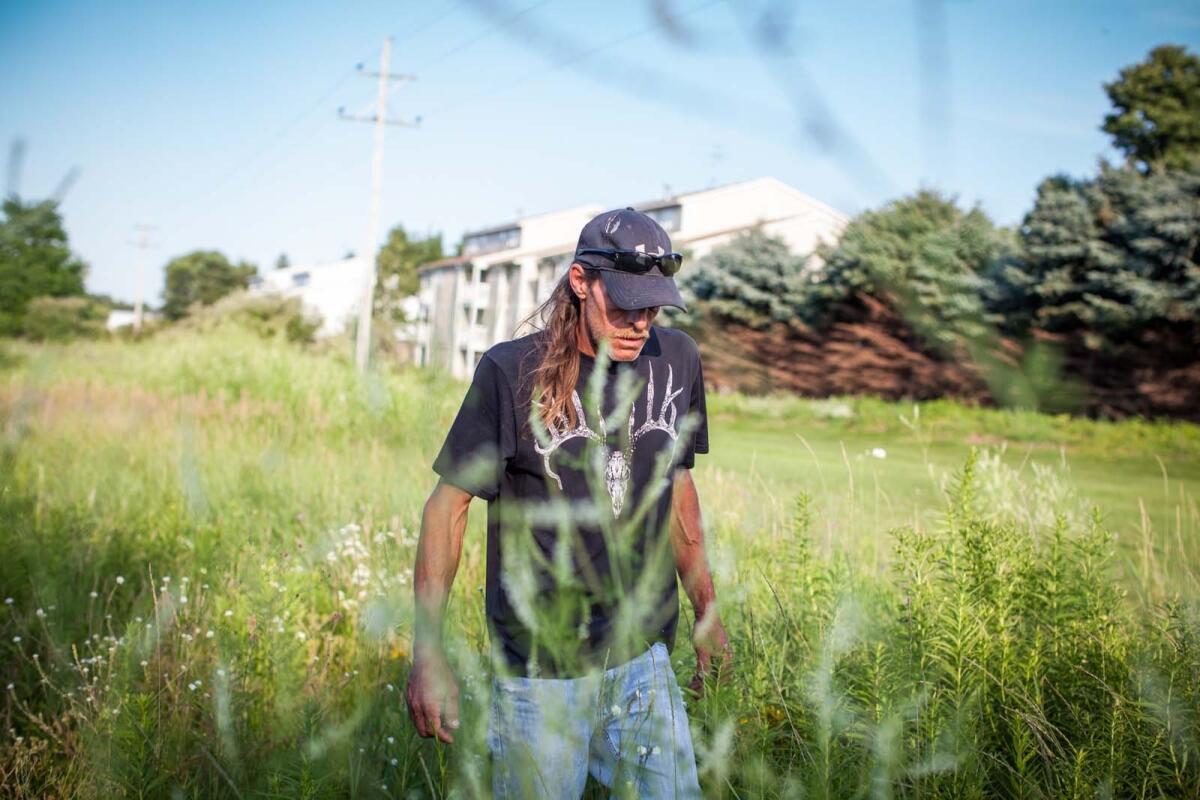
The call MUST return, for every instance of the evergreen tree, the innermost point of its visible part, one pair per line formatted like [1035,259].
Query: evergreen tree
[753,279]
[35,260]
[925,256]
[1106,257]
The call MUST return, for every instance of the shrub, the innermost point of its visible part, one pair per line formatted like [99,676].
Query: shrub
[63,318]
[270,315]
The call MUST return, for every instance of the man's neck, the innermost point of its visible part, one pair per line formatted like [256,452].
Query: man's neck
[583,340]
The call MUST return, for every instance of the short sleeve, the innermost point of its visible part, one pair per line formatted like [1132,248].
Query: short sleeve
[698,442]
[482,438]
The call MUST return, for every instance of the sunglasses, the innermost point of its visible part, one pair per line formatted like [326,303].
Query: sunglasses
[637,262]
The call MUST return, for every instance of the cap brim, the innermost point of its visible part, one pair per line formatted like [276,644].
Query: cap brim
[630,291]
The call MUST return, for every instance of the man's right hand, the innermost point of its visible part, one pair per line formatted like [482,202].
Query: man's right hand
[432,694]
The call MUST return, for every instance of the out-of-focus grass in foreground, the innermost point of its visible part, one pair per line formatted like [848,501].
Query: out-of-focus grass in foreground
[208,543]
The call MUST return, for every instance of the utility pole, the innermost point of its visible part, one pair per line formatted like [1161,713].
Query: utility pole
[143,244]
[367,303]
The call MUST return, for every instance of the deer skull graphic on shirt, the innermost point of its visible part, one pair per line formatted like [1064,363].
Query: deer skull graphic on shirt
[620,461]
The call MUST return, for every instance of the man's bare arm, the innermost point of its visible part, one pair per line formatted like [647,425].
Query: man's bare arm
[432,691]
[691,562]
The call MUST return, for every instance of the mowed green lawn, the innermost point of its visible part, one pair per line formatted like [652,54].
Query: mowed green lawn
[869,474]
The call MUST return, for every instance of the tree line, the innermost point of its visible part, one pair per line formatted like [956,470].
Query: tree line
[1107,265]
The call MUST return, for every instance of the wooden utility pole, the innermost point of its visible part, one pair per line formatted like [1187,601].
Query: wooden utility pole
[379,118]
[143,244]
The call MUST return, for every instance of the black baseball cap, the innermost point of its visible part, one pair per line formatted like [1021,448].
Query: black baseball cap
[626,229]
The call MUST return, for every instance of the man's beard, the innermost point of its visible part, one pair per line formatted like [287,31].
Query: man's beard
[595,330]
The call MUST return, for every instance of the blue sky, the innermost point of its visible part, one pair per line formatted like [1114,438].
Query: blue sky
[217,122]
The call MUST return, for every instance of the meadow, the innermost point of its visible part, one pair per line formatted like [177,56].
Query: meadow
[208,543]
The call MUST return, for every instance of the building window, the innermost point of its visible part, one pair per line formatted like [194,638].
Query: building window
[667,216]
[491,241]
[479,316]
[255,281]
[300,279]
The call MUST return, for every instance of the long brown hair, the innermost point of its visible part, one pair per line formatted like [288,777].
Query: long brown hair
[557,371]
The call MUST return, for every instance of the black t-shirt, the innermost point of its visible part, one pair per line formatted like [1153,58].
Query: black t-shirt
[580,572]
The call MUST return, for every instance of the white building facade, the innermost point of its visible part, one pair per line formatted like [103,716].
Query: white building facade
[331,290]
[471,302]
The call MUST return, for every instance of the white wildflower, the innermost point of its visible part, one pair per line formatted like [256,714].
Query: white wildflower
[879,452]
[93,594]
[120,579]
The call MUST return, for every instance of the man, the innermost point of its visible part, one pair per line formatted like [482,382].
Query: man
[581,438]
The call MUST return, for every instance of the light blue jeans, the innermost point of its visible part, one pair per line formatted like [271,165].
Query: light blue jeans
[627,726]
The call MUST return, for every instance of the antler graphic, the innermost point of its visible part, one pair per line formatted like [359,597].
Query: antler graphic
[617,470]
[665,421]
[560,434]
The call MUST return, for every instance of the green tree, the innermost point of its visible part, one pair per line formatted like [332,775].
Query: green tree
[926,257]
[400,256]
[1156,116]
[396,267]
[283,262]
[35,260]
[753,279]
[203,277]
[1107,256]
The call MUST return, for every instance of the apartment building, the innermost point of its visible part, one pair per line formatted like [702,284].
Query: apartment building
[470,302]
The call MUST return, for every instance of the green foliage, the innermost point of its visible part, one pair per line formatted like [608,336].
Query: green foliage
[201,277]
[396,267]
[196,482]
[1156,116]
[35,260]
[269,315]
[924,255]
[1108,256]
[754,279]
[64,318]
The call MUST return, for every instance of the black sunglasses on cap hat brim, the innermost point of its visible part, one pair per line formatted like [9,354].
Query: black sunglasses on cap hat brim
[637,261]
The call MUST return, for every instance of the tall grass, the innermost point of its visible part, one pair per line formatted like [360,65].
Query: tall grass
[208,545]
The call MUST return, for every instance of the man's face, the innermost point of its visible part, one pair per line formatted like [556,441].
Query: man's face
[625,330]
